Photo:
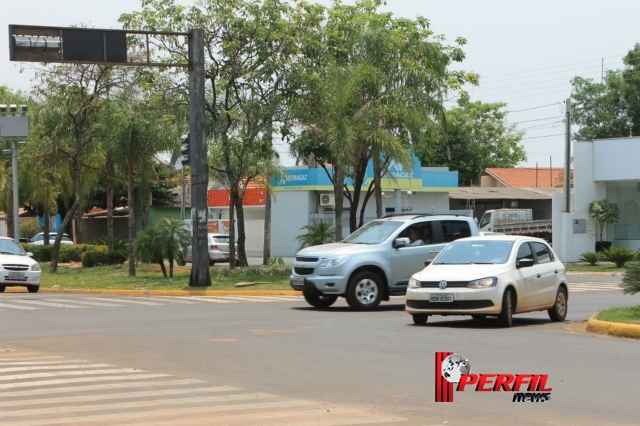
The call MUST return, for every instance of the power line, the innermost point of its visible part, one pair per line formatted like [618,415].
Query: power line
[534,82]
[538,107]
[544,136]
[537,75]
[557,66]
[537,119]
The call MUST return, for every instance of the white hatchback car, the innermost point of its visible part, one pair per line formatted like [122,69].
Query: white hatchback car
[17,268]
[497,275]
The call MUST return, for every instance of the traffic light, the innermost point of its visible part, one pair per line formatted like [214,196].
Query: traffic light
[184,140]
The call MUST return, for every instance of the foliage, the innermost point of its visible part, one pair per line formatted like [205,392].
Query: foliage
[603,212]
[619,255]
[622,314]
[68,252]
[591,257]
[317,232]
[118,243]
[275,261]
[103,256]
[167,239]
[252,272]
[477,137]
[149,242]
[631,279]
[29,228]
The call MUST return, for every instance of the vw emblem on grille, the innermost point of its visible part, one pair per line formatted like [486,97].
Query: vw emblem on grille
[442,285]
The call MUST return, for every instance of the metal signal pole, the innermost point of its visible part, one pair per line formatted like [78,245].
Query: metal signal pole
[567,159]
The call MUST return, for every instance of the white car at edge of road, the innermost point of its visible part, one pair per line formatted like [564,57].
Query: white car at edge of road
[17,268]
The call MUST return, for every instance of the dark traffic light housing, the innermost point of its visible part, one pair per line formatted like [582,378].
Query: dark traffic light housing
[184,140]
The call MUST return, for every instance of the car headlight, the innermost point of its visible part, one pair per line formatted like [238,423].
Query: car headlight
[35,267]
[333,261]
[484,283]
[413,283]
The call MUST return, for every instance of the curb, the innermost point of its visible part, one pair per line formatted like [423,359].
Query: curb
[595,273]
[617,329]
[167,292]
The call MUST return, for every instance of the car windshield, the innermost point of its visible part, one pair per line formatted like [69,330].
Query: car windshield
[221,239]
[11,247]
[373,232]
[475,252]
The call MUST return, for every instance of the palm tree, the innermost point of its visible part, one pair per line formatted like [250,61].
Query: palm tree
[175,239]
[150,241]
[318,232]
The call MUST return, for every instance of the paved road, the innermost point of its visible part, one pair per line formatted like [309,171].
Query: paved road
[170,361]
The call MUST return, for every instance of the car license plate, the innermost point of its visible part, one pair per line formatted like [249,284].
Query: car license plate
[297,281]
[442,297]
[16,275]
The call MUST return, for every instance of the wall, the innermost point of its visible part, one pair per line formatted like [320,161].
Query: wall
[289,212]
[97,227]
[156,213]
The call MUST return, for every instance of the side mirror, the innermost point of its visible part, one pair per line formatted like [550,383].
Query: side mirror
[401,242]
[524,263]
[427,263]
[29,254]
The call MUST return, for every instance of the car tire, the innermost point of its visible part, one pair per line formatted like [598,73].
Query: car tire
[505,319]
[364,292]
[319,300]
[2,288]
[420,319]
[559,310]
[479,317]
[33,288]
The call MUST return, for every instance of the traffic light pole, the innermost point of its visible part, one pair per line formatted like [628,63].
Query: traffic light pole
[16,202]
[200,276]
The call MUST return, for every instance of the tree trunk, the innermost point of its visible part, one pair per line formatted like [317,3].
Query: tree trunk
[55,252]
[377,174]
[232,236]
[338,190]
[110,185]
[46,219]
[360,172]
[78,230]
[132,216]
[241,254]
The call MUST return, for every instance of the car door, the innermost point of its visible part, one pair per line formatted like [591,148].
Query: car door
[527,280]
[406,261]
[547,273]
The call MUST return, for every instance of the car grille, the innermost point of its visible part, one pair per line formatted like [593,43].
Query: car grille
[7,278]
[429,284]
[303,271]
[306,259]
[14,267]
[456,304]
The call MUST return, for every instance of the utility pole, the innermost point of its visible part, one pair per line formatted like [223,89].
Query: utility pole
[182,196]
[567,159]
[16,201]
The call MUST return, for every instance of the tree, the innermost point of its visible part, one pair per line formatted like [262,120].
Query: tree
[175,238]
[316,233]
[477,137]
[603,212]
[150,242]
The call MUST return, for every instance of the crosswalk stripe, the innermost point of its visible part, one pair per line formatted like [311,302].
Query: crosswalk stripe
[29,358]
[257,299]
[52,367]
[210,299]
[121,395]
[79,380]
[165,412]
[41,303]
[174,300]
[345,421]
[84,302]
[3,364]
[67,373]
[137,302]
[4,305]
[108,386]
[135,404]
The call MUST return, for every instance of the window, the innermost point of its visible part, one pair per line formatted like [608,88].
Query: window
[524,252]
[542,252]
[454,229]
[486,218]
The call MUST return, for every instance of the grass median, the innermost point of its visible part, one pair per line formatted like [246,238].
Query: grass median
[621,314]
[149,277]
[585,267]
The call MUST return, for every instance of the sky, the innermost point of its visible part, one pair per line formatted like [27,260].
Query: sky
[525,51]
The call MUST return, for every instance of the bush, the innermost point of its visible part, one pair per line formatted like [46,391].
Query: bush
[29,228]
[591,258]
[102,256]
[631,280]
[68,252]
[275,261]
[40,253]
[118,243]
[252,271]
[619,255]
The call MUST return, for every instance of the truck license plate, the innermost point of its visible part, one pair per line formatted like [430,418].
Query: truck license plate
[442,297]
[297,281]
[16,275]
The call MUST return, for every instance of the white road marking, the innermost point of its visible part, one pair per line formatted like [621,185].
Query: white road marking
[3,364]
[67,373]
[121,395]
[137,302]
[171,299]
[108,386]
[4,305]
[53,305]
[52,367]
[255,299]
[209,299]
[79,380]
[79,300]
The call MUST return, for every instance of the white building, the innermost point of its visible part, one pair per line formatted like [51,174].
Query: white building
[603,169]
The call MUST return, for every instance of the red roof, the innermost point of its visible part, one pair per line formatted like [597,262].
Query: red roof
[529,177]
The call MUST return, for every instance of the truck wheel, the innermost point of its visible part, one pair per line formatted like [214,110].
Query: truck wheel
[364,292]
[2,287]
[33,288]
[559,310]
[319,300]
[420,319]
[505,319]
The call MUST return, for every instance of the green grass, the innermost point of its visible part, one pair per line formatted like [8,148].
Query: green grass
[150,277]
[585,267]
[623,314]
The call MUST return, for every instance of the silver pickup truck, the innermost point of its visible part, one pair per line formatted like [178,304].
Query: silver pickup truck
[376,261]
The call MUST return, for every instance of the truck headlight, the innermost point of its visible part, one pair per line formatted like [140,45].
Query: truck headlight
[35,267]
[333,261]
[484,283]
[413,283]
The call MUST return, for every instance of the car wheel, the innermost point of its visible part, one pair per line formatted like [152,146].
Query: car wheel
[420,319]
[33,288]
[559,310]
[319,300]
[365,291]
[505,319]
[2,287]
[479,317]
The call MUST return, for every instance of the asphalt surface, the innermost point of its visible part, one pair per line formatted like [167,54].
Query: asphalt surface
[79,359]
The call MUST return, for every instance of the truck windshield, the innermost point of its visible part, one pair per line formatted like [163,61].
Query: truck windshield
[486,218]
[476,252]
[373,232]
